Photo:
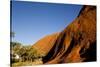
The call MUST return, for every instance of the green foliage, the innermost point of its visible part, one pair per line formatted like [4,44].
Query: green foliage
[15,47]
[26,53]
[15,44]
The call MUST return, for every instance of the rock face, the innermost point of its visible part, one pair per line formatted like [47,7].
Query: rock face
[76,43]
[44,45]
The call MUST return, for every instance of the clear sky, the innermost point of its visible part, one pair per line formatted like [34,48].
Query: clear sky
[32,21]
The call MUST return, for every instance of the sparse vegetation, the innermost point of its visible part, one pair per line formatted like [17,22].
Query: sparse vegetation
[27,55]
[22,55]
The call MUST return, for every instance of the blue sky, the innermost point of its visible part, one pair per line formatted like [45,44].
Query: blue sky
[32,21]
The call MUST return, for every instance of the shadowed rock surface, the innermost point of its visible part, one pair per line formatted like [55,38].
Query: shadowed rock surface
[76,43]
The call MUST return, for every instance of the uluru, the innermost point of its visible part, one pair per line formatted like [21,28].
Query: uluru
[76,43]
